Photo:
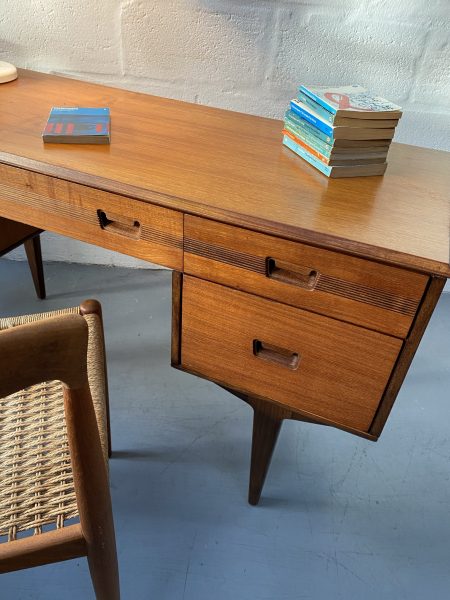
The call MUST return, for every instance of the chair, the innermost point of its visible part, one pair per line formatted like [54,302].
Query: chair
[54,494]
[14,234]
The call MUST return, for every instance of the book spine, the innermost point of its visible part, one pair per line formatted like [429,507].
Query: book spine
[309,139]
[329,117]
[329,107]
[287,141]
[307,116]
[307,128]
[305,146]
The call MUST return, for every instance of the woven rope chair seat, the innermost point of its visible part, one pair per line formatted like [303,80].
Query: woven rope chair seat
[36,483]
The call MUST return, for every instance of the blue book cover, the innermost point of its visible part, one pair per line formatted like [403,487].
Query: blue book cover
[309,115]
[306,155]
[308,128]
[77,125]
[320,110]
[384,129]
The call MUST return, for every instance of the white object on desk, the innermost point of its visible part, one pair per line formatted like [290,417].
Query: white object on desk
[8,72]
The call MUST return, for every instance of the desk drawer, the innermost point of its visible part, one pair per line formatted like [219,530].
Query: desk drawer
[356,290]
[115,222]
[304,361]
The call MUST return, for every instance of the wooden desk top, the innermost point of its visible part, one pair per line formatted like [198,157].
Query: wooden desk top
[232,167]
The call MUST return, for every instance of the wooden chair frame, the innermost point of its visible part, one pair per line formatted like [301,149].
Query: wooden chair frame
[56,349]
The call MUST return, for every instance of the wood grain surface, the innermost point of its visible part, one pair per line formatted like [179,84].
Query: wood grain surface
[232,167]
[340,372]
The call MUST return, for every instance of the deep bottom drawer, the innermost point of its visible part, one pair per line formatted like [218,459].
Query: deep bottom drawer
[305,361]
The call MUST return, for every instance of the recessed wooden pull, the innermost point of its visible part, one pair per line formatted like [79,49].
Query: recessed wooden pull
[275,354]
[299,275]
[119,224]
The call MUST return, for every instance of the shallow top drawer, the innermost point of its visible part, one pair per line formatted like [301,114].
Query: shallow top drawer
[112,221]
[377,296]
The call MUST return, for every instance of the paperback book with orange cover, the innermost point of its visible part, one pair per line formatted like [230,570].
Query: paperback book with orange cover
[342,160]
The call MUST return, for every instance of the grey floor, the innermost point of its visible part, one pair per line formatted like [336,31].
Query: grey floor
[340,517]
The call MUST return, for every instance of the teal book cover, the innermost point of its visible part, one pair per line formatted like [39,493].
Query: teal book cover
[326,170]
[309,139]
[308,128]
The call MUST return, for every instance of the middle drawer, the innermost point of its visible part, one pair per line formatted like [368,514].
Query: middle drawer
[381,297]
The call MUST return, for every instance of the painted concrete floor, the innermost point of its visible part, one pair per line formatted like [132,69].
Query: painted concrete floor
[340,517]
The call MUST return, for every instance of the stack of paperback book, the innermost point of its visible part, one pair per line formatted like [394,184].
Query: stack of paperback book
[342,131]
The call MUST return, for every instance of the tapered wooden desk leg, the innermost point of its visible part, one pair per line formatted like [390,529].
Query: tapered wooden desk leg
[34,255]
[266,427]
[267,420]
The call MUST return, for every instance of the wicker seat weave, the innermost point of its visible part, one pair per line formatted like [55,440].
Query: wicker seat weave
[36,484]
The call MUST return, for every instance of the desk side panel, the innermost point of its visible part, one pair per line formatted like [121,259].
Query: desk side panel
[406,356]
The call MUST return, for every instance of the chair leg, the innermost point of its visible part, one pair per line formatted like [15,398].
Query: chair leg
[34,255]
[92,490]
[105,577]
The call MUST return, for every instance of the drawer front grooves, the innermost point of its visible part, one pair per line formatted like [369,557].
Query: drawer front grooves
[119,223]
[326,283]
[43,203]
[226,255]
[151,234]
[362,293]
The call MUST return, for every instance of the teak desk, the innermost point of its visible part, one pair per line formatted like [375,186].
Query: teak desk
[305,297]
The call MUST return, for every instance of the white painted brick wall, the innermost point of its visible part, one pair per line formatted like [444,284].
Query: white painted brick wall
[245,55]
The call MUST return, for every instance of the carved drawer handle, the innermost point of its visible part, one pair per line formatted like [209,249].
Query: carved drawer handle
[119,224]
[303,277]
[275,354]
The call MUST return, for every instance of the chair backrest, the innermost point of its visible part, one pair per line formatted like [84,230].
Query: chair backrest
[96,360]
[43,351]
[56,349]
